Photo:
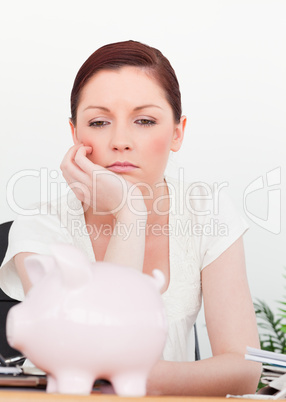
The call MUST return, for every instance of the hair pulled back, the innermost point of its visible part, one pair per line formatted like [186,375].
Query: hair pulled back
[129,53]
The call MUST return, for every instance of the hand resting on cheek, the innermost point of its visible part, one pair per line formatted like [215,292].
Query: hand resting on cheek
[95,186]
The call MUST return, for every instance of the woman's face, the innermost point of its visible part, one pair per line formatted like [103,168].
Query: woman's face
[124,116]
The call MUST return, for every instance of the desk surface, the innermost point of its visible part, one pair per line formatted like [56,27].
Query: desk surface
[35,395]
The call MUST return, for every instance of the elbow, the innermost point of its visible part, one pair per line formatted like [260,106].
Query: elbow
[247,383]
[255,374]
[242,377]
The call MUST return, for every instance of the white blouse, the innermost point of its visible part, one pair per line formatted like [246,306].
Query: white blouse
[202,225]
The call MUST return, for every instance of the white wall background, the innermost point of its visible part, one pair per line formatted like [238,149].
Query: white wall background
[230,59]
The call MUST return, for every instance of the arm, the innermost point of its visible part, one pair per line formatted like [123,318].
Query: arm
[118,250]
[79,174]
[105,192]
[127,249]
[231,327]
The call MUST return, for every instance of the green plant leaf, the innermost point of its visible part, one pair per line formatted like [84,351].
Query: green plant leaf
[273,336]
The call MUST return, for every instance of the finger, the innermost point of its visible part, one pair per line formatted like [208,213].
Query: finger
[85,149]
[71,171]
[81,191]
[83,162]
[69,156]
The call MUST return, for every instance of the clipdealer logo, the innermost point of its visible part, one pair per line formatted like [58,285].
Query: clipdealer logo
[266,186]
[270,186]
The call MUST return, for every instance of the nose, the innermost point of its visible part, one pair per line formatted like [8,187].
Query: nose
[121,139]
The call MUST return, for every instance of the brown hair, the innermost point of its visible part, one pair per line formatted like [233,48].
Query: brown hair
[129,53]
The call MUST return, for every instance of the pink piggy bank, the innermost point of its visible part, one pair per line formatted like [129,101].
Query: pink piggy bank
[82,321]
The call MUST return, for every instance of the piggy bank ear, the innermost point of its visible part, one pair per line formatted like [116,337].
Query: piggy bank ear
[159,278]
[37,266]
[73,265]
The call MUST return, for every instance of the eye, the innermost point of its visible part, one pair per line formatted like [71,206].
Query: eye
[145,122]
[98,123]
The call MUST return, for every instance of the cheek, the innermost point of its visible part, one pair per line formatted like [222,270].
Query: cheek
[160,146]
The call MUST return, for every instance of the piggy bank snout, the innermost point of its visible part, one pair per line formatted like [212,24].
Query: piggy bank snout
[13,325]
[10,327]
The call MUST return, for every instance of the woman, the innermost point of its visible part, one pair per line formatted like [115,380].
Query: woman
[126,118]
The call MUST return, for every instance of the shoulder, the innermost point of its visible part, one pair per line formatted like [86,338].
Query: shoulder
[43,224]
[197,199]
[207,216]
[53,215]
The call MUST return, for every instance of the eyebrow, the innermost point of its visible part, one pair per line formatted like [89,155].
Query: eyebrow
[135,109]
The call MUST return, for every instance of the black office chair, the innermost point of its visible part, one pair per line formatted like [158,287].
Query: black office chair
[5,301]
[197,347]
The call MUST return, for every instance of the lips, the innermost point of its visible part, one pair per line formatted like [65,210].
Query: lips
[120,167]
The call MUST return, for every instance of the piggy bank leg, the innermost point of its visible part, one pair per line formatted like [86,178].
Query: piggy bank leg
[71,383]
[130,384]
[51,385]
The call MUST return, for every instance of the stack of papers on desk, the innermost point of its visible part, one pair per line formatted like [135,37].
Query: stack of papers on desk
[273,372]
[263,356]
